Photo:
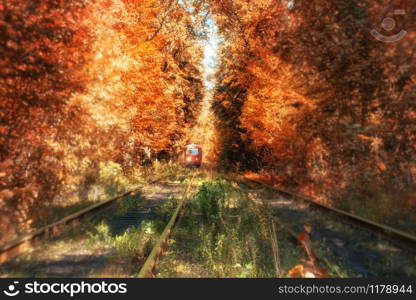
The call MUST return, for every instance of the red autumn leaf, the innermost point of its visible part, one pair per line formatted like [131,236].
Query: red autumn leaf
[302,237]
[297,272]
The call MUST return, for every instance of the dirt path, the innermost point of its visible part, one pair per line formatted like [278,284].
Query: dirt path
[78,254]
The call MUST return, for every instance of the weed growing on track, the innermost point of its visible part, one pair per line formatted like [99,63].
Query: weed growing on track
[224,233]
[170,171]
[134,243]
[129,203]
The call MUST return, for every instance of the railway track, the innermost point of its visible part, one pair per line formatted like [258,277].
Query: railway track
[118,223]
[338,238]
[26,242]
[317,262]
[161,244]
[397,235]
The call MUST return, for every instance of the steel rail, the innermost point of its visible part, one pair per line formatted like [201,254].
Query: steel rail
[24,243]
[304,244]
[393,233]
[146,270]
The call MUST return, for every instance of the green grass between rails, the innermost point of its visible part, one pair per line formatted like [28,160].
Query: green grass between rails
[222,234]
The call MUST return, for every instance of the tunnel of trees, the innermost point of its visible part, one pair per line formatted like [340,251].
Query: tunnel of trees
[305,96]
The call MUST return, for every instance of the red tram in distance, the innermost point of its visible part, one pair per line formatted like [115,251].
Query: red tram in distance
[193,155]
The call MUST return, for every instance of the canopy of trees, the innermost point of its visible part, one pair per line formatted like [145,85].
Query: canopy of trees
[310,97]
[305,95]
[84,82]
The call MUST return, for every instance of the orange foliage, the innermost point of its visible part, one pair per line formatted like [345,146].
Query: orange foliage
[312,99]
[84,82]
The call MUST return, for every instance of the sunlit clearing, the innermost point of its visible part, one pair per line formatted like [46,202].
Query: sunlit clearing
[210,53]
[203,132]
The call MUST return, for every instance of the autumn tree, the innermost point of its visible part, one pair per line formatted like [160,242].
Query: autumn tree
[323,106]
[83,84]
